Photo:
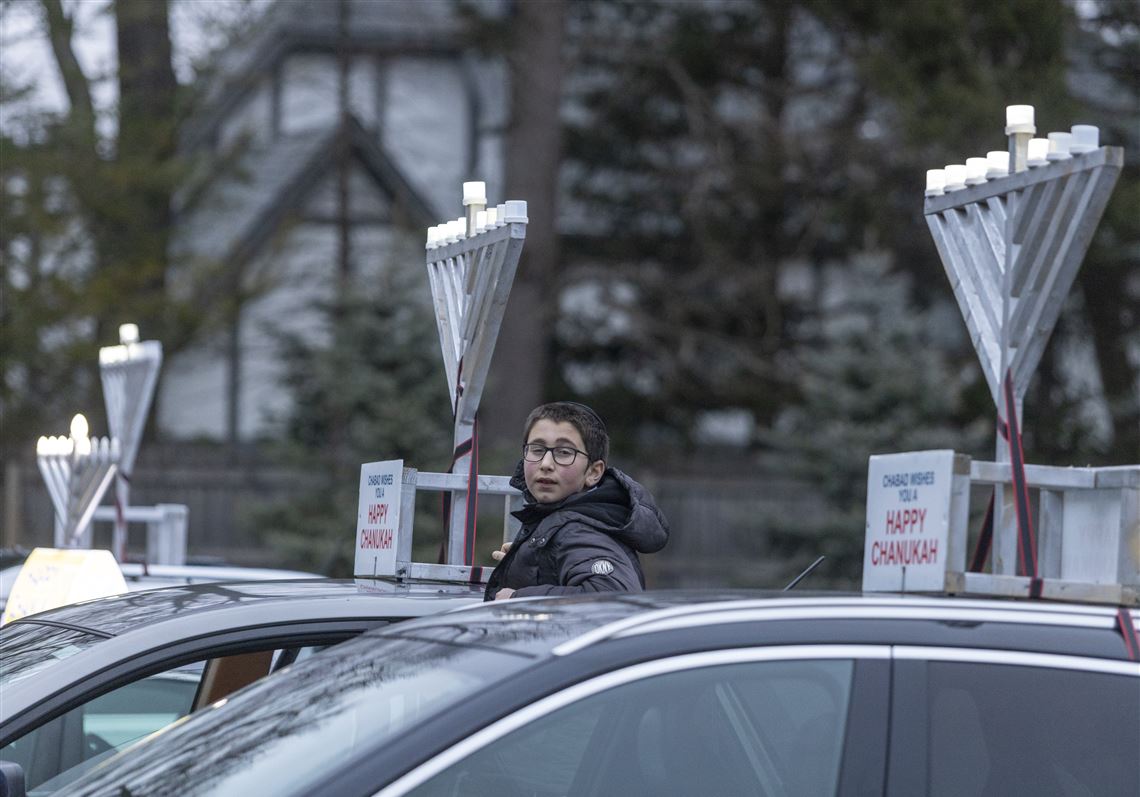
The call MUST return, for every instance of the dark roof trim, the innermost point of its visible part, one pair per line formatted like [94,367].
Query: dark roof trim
[201,129]
[376,160]
[292,196]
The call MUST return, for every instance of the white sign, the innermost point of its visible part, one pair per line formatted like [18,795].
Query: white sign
[906,544]
[378,518]
[53,577]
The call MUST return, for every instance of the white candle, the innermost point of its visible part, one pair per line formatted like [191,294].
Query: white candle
[1038,149]
[128,333]
[79,427]
[935,182]
[976,170]
[79,438]
[955,176]
[60,446]
[997,164]
[515,211]
[475,193]
[1019,119]
[1086,138]
[1059,144]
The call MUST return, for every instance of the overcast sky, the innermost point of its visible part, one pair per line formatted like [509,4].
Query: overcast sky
[25,56]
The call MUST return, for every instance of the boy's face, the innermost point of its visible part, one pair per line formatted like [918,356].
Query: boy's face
[550,482]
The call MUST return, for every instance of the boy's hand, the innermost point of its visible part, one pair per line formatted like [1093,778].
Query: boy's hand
[505,592]
[499,554]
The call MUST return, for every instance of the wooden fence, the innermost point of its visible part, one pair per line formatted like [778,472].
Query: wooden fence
[722,526]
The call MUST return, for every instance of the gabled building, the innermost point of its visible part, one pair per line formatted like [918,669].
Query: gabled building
[327,145]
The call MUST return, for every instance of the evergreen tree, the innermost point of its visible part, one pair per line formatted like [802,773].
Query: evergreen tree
[712,147]
[874,378]
[378,372]
[86,213]
[1104,54]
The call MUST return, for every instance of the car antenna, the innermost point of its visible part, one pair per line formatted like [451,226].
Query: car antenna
[800,577]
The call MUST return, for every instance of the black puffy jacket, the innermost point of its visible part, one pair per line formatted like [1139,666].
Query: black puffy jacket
[588,542]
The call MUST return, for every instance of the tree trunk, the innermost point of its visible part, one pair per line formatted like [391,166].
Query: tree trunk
[135,235]
[534,145]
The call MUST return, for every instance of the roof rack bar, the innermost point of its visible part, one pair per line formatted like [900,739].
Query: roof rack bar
[790,608]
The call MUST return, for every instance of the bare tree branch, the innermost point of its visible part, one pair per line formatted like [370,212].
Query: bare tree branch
[60,28]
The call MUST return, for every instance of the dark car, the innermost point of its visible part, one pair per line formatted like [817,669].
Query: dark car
[84,680]
[678,694]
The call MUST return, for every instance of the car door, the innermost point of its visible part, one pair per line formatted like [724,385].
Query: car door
[774,721]
[976,723]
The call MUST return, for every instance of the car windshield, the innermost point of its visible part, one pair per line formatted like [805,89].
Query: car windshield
[283,733]
[26,648]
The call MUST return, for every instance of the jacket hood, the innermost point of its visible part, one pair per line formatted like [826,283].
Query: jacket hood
[618,505]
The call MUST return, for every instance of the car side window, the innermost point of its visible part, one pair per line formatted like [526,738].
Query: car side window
[759,728]
[996,729]
[103,724]
[58,751]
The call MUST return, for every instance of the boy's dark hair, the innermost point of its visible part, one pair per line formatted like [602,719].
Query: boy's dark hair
[588,423]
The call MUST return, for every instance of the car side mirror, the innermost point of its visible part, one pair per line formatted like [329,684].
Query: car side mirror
[12,780]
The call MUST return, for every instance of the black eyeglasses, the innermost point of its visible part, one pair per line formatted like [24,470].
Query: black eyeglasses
[563,455]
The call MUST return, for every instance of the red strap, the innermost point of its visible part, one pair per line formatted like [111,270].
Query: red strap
[471,505]
[1128,630]
[1026,540]
[472,508]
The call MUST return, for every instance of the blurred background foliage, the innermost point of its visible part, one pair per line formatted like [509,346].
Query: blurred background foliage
[726,233]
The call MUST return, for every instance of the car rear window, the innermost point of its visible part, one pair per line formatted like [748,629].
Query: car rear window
[27,647]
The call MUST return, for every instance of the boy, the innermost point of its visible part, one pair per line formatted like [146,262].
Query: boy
[583,523]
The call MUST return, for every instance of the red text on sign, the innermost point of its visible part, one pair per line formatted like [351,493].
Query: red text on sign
[904,552]
[376,538]
[903,521]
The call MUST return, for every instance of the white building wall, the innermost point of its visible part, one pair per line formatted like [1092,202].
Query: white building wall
[306,271]
[292,283]
[364,200]
[253,118]
[421,109]
[310,87]
[192,391]
[295,282]
[308,93]
[425,128]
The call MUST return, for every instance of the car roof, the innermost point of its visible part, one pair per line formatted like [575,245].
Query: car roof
[523,641]
[130,611]
[195,573]
[558,626]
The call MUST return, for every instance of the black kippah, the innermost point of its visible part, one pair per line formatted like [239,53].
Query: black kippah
[589,412]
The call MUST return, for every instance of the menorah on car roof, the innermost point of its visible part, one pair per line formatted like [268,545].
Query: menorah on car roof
[1011,230]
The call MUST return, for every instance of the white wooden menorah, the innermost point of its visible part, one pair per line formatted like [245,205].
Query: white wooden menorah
[77,470]
[1012,240]
[471,265]
[1012,230]
[129,372]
